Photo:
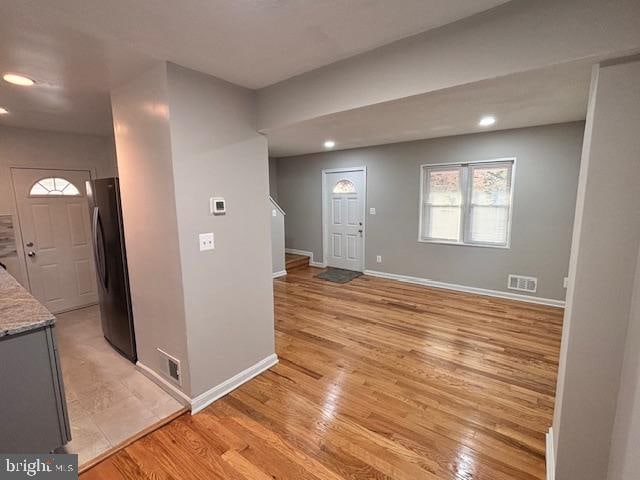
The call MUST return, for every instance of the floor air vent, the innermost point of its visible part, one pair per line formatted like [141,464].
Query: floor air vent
[522,283]
[172,367]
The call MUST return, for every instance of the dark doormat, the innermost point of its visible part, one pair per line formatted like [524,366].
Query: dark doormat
[338,275]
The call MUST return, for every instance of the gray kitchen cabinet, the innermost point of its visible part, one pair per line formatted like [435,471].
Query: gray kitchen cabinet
[33,412]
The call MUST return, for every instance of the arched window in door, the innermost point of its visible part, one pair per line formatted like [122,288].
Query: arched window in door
[344,186]
[54,186]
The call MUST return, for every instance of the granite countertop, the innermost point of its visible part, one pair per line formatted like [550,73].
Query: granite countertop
[19,311]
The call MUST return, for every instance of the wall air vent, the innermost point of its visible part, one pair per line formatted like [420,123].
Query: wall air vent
[522,283]
[171,367]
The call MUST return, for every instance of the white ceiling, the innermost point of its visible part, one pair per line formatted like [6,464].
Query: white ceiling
[78,49]
[547,96]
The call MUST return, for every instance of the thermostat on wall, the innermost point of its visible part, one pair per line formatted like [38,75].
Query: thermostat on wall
[217,206]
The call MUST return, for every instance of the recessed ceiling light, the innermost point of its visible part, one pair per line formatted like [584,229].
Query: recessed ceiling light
[487,121]
[4,111]
[329,144]
[18,79]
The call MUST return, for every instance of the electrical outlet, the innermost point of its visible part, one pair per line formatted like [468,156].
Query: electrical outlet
[206,241]
[372,211]
[565,284]
[379,258]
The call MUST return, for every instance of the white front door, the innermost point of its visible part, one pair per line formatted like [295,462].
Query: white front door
[56,236]
[344,216]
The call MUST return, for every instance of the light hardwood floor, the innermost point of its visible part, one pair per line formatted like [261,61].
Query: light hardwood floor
[377,379]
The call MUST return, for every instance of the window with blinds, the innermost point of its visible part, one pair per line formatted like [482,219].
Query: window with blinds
[467,204]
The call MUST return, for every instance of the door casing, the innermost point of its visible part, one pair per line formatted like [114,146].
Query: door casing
[21,251]
[325,215]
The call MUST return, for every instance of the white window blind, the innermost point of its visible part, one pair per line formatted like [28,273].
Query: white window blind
[489,203]
[443,205]
[467,203]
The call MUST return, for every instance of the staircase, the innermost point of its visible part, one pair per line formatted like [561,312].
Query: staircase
[296,261]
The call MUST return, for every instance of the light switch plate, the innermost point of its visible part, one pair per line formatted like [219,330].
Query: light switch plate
[372,211]
[274,213]
[206,241]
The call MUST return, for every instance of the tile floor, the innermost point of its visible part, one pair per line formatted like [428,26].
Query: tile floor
[108,399]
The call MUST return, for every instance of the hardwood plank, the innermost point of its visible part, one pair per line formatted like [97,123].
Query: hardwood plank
[377,379]
[112,451]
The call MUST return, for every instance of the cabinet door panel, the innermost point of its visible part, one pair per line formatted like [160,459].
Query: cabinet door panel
[29,415]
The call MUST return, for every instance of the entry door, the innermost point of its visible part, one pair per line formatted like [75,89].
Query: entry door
[56,236]
[345,196]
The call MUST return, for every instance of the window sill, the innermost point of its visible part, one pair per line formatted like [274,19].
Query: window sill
[460,244]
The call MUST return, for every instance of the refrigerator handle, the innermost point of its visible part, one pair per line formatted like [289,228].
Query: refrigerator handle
[100,267]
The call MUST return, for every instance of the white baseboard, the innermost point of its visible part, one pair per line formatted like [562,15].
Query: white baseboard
[550,456]
[164,384]
[312,262]
[462,288]
[279,274]
[207,398]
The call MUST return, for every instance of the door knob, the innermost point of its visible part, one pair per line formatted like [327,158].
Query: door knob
[31,253]
[29,244]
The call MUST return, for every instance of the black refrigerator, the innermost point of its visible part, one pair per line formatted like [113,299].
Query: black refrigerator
[111,265]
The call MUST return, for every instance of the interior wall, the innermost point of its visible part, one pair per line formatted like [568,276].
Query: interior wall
[20,147]
[546,177]
[601,277]
[273,178]
[141,119]
[278,260]
[228,292]
[624,461]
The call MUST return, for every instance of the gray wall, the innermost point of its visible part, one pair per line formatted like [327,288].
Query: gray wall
[141,118]
[183,137]
[602,269]
[545,190]
[21,147]
[273,174]
[277,220]
[277,239]
[624,461]
[228,292]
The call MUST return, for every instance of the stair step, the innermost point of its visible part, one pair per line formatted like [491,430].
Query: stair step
[296,261]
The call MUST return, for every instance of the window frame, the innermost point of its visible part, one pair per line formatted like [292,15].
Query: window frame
[466,187]
[49,194]
[355,190]
[425,193]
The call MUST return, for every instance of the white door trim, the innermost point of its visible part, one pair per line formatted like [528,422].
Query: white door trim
[325,241]
[17,228]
